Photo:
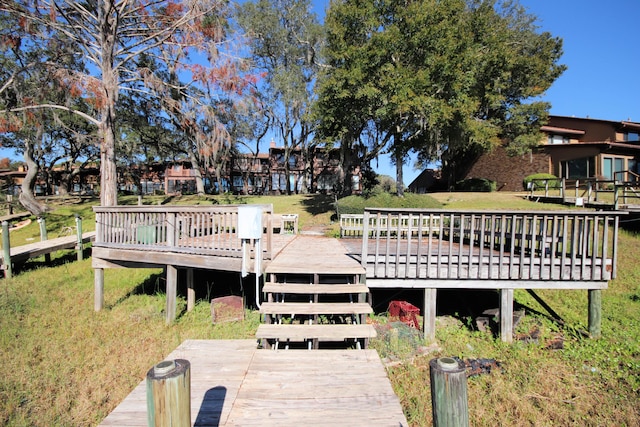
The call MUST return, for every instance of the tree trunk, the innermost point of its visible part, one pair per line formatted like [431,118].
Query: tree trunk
[27,198]
[107,127]
[197,173]
[399,177]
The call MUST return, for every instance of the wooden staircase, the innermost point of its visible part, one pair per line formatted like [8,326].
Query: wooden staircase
[309,302]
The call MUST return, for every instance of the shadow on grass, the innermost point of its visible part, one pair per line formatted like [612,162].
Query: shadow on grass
[318,204]
[473,309]
[60,258]
[152,285]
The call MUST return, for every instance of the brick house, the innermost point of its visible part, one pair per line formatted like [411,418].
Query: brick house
[572,148]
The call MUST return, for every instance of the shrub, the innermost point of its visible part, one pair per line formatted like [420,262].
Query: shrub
[356,204]
[554,181]
[476,185]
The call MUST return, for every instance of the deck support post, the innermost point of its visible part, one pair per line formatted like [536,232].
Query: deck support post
[172,293]
[191,293]
[595,312]
[429,315]
[98,285]
[506,315]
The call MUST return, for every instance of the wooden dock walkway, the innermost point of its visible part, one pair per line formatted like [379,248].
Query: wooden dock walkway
[235,384]
[32,250]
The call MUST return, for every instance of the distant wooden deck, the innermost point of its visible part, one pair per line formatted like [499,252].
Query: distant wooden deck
[32,250]
[235,384]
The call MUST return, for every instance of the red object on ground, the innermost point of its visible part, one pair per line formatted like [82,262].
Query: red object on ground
[405,312]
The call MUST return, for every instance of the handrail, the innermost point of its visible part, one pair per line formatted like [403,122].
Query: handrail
[601,191]
[491,245]
[202,230]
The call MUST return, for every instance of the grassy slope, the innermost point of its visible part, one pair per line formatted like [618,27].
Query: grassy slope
[64,364]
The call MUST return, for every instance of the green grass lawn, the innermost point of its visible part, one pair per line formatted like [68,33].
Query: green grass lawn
[65,364]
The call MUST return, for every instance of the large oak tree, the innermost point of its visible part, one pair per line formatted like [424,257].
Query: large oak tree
[438,77]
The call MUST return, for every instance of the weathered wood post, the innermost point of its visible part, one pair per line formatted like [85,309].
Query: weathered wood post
[449,393]
[595,312]
[79,247]
[191,292]
[172,293]
[6,250]
[169,394]
[429,314]
[43,236]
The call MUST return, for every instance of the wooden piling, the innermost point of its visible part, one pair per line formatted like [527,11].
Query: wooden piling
[449,393]
[169,394]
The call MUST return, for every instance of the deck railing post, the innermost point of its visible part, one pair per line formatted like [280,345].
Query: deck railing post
[79,246]
[43,236]
[171,229]
[6,249]
[365,238]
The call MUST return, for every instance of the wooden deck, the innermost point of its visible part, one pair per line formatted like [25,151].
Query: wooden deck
[235,384]
[32,250]
[314,255]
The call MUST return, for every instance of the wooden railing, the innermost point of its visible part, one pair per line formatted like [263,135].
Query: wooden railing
[482,245]
[202,230]
[352,225]
[589,190]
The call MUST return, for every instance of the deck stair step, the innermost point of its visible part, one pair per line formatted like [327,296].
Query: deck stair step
[314,299]
[305,288]
[319,332]
[313,308]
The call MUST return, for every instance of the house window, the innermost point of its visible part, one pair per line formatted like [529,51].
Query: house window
[292,162]
[557,139]
[578,168]
[613,168]
[632,136]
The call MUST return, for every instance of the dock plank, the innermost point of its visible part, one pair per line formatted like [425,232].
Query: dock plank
[234,383]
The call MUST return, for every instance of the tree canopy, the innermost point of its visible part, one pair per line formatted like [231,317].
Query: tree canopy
[441,78]
[151,48]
